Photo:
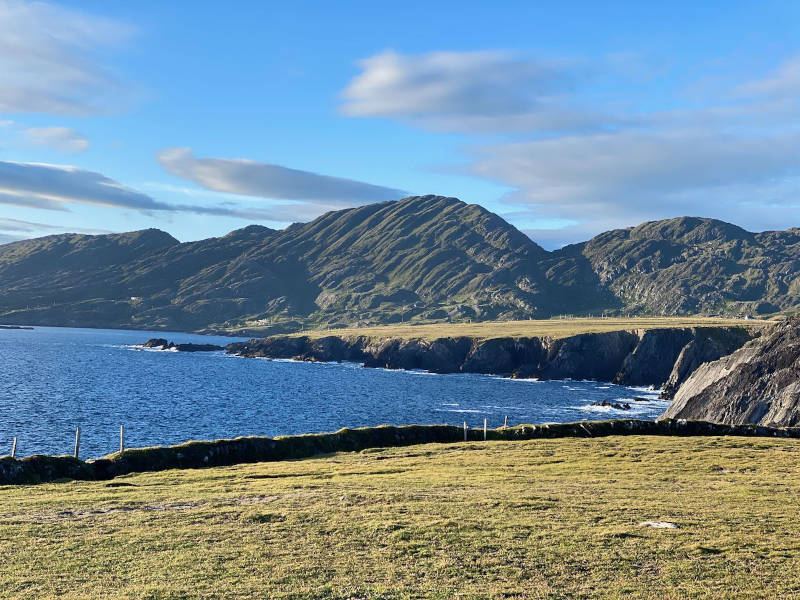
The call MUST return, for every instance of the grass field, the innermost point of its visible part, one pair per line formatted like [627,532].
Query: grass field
[556,328]
[541,519]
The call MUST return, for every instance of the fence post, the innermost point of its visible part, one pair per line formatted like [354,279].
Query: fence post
[77,441]
[121,439]
[505,422]
[14,448]
[465,431]
[484,430]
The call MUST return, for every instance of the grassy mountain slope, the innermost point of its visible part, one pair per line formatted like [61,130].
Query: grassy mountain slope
[425,258]
[692,265]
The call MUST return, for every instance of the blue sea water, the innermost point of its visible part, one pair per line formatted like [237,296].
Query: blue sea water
[53,380]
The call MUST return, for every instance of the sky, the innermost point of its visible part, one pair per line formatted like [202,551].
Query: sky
[566,118]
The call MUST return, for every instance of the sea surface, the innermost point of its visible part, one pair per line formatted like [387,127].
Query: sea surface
[54,379]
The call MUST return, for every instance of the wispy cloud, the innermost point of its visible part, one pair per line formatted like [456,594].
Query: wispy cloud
[48,186]
[63,139]
[265,180]
[783,82]
[470,91]
[56,187]
[50,59]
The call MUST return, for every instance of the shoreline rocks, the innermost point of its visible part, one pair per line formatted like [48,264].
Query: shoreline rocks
[165,345]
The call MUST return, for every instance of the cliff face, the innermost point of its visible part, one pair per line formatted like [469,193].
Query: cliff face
[636,357]
[759,383]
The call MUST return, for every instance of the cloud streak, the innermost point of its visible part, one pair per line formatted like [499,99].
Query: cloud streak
[470,91]
[265,180]
[50,60]
[55,187]
[63,139]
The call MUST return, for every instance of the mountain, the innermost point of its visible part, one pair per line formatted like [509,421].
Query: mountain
[690,265]
[422,258]
[759,383]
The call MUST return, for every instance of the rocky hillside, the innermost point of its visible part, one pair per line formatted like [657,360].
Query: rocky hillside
[759,383]
[689,265]
[419,259]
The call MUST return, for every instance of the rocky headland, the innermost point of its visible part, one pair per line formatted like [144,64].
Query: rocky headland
[654,357]
[757,384]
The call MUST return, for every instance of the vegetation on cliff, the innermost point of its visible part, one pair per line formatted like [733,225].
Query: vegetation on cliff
[426,258]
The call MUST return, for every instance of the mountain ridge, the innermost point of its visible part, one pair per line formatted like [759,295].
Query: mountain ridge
[423,258]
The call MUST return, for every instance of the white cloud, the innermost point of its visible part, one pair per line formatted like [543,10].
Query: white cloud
[50,59]
[58,138]
[265,180]
[469,91]
[619,179]
[619,168]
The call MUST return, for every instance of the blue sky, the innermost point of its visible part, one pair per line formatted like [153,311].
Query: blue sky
[567,118]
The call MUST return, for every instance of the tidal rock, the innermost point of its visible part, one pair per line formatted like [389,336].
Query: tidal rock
[165,345]
[757,384]
[197,347]
[617,405]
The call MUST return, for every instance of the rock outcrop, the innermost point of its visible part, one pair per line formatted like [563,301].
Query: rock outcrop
[638,357]
[187,347]
[757,384]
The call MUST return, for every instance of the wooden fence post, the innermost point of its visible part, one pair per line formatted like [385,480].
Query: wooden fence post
[121,439]
[77,441]
[484,430]
[505,422]
[14,448]
[465,431]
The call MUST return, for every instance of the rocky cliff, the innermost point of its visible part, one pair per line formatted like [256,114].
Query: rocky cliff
[758,384]
[637,357]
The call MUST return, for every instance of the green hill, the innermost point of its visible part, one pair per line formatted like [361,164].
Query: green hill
[421,259]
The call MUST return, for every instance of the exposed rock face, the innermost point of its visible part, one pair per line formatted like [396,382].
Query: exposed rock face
[626,357]
[705,347]
[758,384]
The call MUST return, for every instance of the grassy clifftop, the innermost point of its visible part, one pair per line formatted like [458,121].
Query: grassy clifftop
[544,519]
[555,328]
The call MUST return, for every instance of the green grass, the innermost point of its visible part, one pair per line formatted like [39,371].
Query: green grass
[556,328]
[553,518]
